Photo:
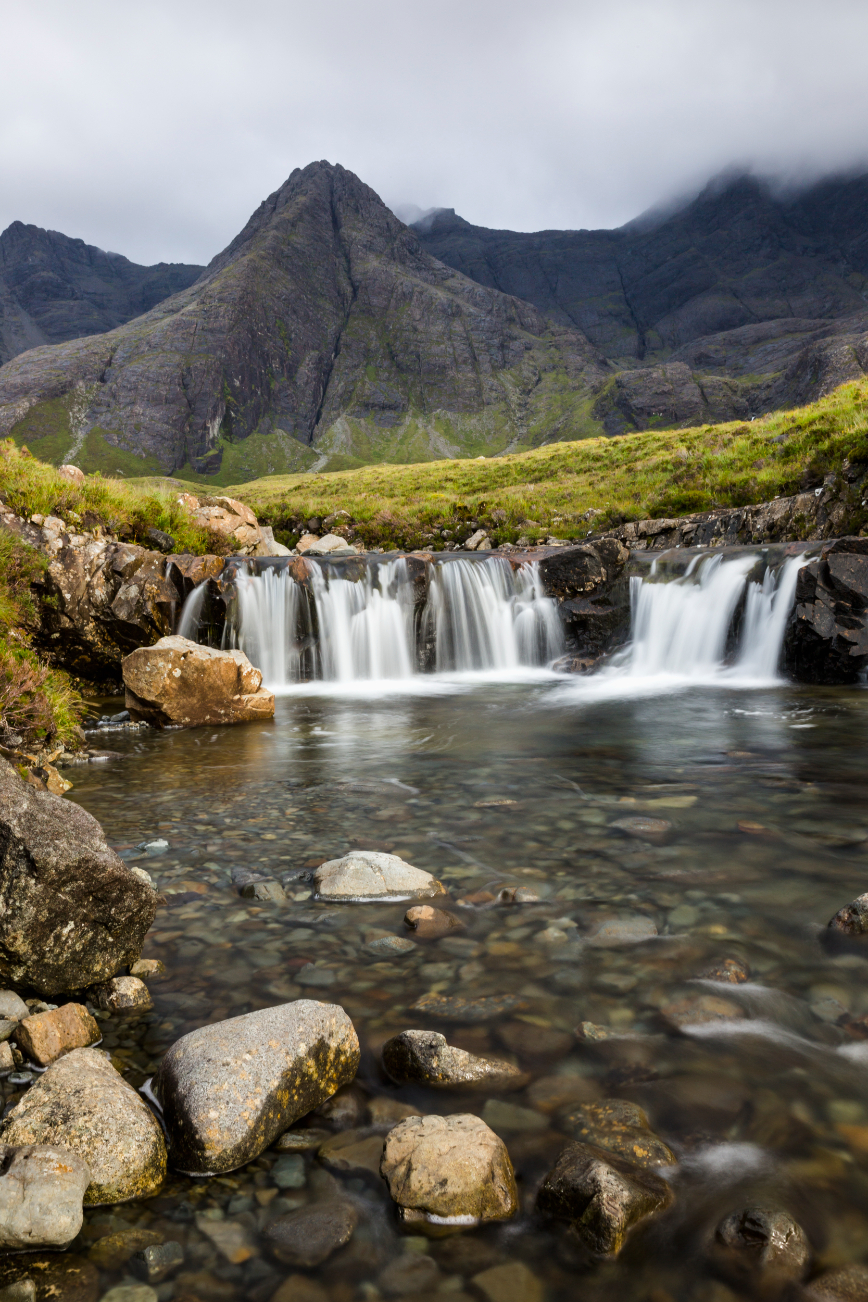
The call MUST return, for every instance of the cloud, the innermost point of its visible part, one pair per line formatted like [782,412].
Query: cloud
[155,129]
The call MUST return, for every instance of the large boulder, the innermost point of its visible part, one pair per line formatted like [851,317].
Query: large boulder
[590,584]
[41,1192]
[84,1105]
[177,681]
[373,875]
[425,1058]
[227,517]
[602,1194]
[71,912]
[228,1090]
[826,639]
[448,1171]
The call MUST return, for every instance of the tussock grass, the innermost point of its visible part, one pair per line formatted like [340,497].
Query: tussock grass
[632,477]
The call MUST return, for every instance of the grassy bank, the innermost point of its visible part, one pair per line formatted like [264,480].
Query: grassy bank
[552,489]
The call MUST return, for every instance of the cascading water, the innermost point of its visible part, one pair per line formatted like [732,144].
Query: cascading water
[681,628]
[479,615]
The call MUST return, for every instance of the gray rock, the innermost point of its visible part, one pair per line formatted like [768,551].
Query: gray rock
[288,1172]
[604,1195]
[853,918]
[71,912]
[41,1192]
[12,1007]
[82,1104]
[622,931]
[371,875]
[761,1248]
[843,1284]
[228,1090]
[309,1236]
[266,889]
[424,1057]
[123,994]
[449,1170]
[154,1263]
[23,1290]
[412,1274]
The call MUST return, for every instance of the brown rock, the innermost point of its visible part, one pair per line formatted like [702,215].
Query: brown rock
[176,681]
[227,517]
[115,1250]
[61,1276]
[352,1150]
[298,1288]
[762,1249]
[454,1170]
[731,971]
[511,1282]
[429,923]
[853,918]
[123,994]
[71,912]
[45,1037]
[530,1041]
[844,1284]
[455,1008]
[693,1010]
[148,969]
[71,473]
[309,1236]
[551,1093]
[656,830]
[385,1112]
[424,1057]
[620,1127]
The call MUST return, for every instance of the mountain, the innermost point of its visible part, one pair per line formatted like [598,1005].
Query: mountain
[53,288]
[742,301]
[323,334]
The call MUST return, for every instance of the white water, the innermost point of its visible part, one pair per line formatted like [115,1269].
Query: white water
[480,616]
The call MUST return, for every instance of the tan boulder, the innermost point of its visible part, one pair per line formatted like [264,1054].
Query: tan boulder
[45,1037]
[176,681]
[71,473]
[225,516]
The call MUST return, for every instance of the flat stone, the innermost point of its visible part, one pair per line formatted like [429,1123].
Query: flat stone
[622,931]
[386,1113]
[391,946]
[511,1282]
[45,1037]
[321,978]
[269,891]
[656,830]
[593,1031]
[148,969]
[761,1249]
[352,1151]
[228,1090]
[308,1237]
[620,1127]
[300,1141]
[300,1288]
[41,1192]
[424,1057]
[123,994]
[551,1093]
[604,1196]
[510,1116]
[455,1008]
[233,1241]
[371,875]
[83,1104]
[414,1274]
[531,1041]
[701,1010]
[155,1262]
[288,1172]
[12,1006]
[853,918]
[115,1250]
[843,1284]
[429,923]
[452,1169]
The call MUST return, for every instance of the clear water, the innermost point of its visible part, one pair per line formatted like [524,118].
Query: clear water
[765,789]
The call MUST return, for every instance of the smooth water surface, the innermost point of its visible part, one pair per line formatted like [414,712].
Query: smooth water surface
[765,791]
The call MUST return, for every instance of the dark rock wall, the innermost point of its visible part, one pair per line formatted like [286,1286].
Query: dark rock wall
[827,635]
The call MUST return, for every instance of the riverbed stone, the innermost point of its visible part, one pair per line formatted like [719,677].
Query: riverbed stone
[619,1126]
[12,1006]
[429,923]
[123,994]
[308,1237]
[84,1105]
[602,1194]
[729,971]
[156,1261]
[622,931]
[372,875]
[148,969]
[453,1169]
[843,1284]
[41,1192]
[512,1281]
[700,1010]
[65,1277]
[761,1249]
[456,1008]
[228,1090]
[642,828]
[114,1250]
[45,1037]
[425,1058]
[178,682]
[852,920]
[352,1151]
[71,912]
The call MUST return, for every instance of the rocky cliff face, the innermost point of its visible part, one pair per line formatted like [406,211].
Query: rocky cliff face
[53,288]
[323,324]
[741,302]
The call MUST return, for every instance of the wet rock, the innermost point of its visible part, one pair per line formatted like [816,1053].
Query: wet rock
[233,1240]
[300,1141]
[452,1169]
[551,1093]
[412,1274]
[619,1127]
[386,1113]
[429,923]
[530,1041]
[511,1117]
[176,681]
[762,1249]
[308,1237]
[593,1031]
[12,1006]
[852,920]
[288,1172]
[265,889]
[352,1150]
[622,931]
[83,1104]
[655,830]
[511,1282]
[371,875]
[7,1057]
[114,1250]
[425,1058]
[62,1276]
[148,969]
[700,1010]
[157,1261]
[300,1288]
[730,971]
[826,639]
[391,946]
[344,1109]
[455,1008]
[45,1037]
[123,994]
[603,1195]
[844,1284]
[41,1192]
[71,912]
[228,1090]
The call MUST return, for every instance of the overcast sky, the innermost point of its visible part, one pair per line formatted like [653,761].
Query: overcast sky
[154,128]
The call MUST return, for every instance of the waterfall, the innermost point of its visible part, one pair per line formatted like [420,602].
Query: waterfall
[478,615]
[191,613]
[681,627]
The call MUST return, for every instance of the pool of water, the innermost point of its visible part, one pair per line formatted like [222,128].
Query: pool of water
[765,794]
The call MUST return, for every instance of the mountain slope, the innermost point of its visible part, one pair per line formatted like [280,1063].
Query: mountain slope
[324,332]
[53,288]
